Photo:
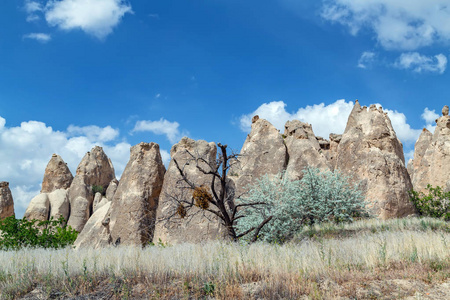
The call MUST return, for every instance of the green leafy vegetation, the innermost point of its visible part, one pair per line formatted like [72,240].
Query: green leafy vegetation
[22,233]
[435,203]
[320,196]
[98,189]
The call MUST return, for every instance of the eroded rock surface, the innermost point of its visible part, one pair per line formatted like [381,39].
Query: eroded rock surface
[6,201]
[133,209]
[57,175]
[304,149]
[39,208]
[264,152]
[198,225]
[420,148]
[95,169]
[371,152]
[433,168]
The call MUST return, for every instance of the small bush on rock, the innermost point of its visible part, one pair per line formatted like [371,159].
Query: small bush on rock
[320,196]
[436,203]
[98,189]
[19,233]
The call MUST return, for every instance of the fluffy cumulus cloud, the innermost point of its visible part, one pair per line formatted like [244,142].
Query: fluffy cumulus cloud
[40,37]
[26,149]
[97,18]
[325,119]
[332,118]
[421,63]
[161,127]
[397,24]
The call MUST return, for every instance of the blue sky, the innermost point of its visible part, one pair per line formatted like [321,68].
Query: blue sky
[79,73]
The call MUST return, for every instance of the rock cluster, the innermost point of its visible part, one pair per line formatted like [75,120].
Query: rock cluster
[432,151]
[6,201]
[53,200]
[129,219]
[94,170]
[69,197]
[371,152]
[145,204]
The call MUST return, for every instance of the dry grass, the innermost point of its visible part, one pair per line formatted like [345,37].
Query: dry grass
[366,265]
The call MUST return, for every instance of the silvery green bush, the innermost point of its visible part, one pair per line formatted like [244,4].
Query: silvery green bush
[320,196]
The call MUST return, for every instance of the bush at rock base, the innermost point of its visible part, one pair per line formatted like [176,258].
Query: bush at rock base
[20,233]
[320,196]
[435,203]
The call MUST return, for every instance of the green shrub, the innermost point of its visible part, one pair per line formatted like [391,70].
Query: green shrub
[320,196]
[436,203]
[19,233]
[98,189]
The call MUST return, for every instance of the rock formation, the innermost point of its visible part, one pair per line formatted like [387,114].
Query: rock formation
[53,200]
[6,201]
[133,209]
[57,175]
[304,149]
[195,227]
[431,165]
[420,148]
[96,232]
[264,152]
[59,204]
[95,169]
[129,218]
[112,188]
[371,152]
[39,208]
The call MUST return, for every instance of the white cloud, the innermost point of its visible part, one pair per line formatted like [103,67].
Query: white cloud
[421,63]
[40,37]
[97,18]
[326,119]
[405,133]
[429,115]
[366,60]
[93,132]
[397,24]
[26,149]
[161,127]
[165,155]
[32,6]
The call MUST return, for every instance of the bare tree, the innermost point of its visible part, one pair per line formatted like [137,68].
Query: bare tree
[221,201]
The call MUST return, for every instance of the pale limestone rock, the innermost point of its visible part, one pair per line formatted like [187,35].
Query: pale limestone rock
[112,188]
[6,201]
[97,199]
[133,209]
[59,204]
[264,152]
[94,169]
[57,175]
[445,110]
[434,168]
[96,232]
[370,151]
[331,154]
[420,148]
[198,225]
[304,149]
[102,202]
[39,208]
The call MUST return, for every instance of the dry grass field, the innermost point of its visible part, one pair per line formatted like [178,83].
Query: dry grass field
[395,259]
